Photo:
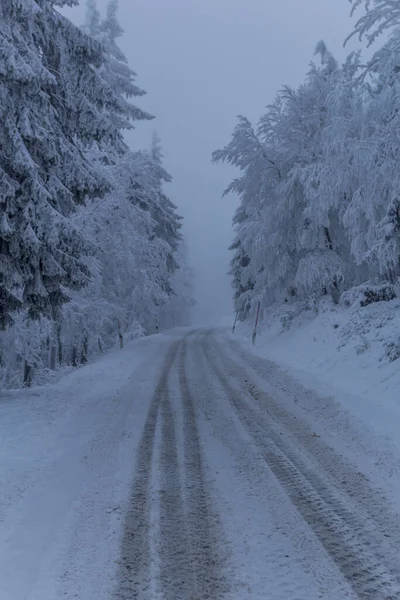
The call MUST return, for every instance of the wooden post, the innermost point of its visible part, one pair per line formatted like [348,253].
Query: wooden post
[74,359]
[84,349]
[60,346]
[253,337]
[53,356]
[121,339]
[234,325]
[28,374]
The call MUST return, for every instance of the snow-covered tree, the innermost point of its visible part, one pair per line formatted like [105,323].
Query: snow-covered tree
[114,69]
[40,250]
[284,225]
[164,211]
[92,25]
[242,286]
[379,17]
[134,286]
[371,215]
[260,169]
[89,242]
[53,104]
[295,227]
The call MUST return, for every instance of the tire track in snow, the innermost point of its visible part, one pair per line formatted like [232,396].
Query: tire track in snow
[343,473]
[134,572]
[203,527]
[345,478]
[175,572]
[189,561]
[357,556]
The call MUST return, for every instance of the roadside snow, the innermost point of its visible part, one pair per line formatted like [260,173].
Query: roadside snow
[341,374]
[103,473]
[347,353]
[66,455]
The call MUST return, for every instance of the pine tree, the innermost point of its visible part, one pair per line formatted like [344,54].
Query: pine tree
[40,250]
[114,69]
[53,105]
[92,25]
[163,211]
[88,238]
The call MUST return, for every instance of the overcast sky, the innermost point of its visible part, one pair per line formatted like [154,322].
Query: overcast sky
[203,62]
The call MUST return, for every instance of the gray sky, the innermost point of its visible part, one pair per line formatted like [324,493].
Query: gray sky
[203,62]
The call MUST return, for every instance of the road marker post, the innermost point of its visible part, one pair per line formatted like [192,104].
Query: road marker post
[234,325]
[253,337]
[121,337]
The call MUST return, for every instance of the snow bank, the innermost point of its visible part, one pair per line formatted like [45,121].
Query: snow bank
[352,353]
[66,464]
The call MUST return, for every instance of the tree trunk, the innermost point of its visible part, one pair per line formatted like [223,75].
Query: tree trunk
[59,344]
[28,375]
[335,293]
[53,357]
[84,350]
[328,238]
[74,356]
[121,337]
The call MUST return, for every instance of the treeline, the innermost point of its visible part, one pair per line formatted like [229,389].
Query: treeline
[319,181]
[90,245]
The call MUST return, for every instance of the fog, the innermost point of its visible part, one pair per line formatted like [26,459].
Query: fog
[202,62]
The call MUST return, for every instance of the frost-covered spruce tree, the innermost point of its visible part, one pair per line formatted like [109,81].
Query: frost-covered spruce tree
[152,198]
[136,281]
[40,250]
[129,259]
[92,20]
[165,212]
[138,179]
[147,192]
[53,104]
[114,69]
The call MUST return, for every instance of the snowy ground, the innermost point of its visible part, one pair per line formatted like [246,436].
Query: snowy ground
[186,468]
[343,353]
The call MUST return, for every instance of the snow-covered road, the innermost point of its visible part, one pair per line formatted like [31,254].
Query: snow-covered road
[185,468]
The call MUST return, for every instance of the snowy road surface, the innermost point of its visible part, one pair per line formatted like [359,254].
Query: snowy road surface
[184,468]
